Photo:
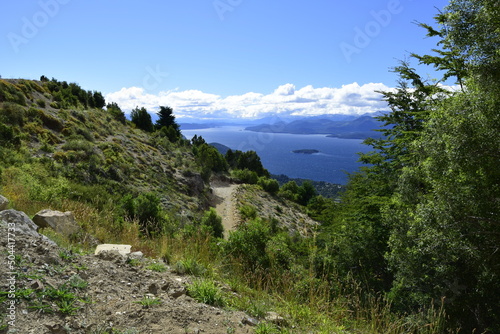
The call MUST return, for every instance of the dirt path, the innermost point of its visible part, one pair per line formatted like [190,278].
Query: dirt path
[225,205]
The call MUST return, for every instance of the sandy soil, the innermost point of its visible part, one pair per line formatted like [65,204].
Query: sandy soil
[225,205]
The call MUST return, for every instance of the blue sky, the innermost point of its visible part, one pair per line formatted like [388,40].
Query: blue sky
[218,58]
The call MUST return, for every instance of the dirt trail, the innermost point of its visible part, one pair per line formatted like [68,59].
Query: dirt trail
[225,205]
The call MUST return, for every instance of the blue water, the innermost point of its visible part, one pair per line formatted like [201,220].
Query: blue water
[336,157]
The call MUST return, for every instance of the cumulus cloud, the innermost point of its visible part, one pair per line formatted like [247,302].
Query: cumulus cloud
[286,100]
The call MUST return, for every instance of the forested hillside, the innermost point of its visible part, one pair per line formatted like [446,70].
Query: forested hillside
[422,222]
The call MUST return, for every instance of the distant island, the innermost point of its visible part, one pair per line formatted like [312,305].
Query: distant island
[306,151]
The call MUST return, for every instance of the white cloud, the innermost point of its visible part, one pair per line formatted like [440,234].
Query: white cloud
[351,99]
[287,89]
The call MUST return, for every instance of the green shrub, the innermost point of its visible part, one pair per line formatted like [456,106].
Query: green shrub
[213,222]
[207,292]
[147,207]
[266,328]
[190,267]
[248,212]
[301,195]
[270,185]
[72,95]
[158,267]
[78,145]
[116,112]
[246,160]
[209,158]
[148,302]
[306,192]
[245,176]
[43,118]
[289,195]
[8,137]
[28,86]
[127,204]
[247,245]
[147,210]
[172,133]
[290,186]
[278,250]
[46,147]
[41,103]
[11,93]
[12,113]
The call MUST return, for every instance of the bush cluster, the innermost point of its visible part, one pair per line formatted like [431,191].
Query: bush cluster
[11,93]
[146,210]
[249,160]
[72,95]
[301,195]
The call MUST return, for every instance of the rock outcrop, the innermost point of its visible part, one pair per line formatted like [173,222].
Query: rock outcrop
[21,225]
[20,222]
[4,203]
[61,222]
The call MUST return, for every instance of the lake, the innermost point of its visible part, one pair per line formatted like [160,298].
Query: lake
[336,157]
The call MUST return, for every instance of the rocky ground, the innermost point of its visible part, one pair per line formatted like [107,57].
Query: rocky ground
[46,289]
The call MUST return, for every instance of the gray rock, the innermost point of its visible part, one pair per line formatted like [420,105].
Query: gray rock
[4,203]
[153,289]
[112,255]
[37,285]
[166,286]
[276,319]
[177,292]
[136,256]
[61,222]
[20,222]
[55,328]
[249,321]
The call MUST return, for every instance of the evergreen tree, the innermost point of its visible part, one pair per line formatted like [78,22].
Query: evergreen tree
[166,118]
[142,119]
[115,110]
[444,212]
[99,100]
[427,207]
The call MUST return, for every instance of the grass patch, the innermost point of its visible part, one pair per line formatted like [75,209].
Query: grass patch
[158,267]
[206,291]
[149,302]
[77,282]
[190,267]
[266,328]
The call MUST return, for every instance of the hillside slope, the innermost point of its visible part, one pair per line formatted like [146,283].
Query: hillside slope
[88,154]
[60,149]
[58,291]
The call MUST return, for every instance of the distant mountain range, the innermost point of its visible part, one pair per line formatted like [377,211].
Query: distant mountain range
[357,128]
